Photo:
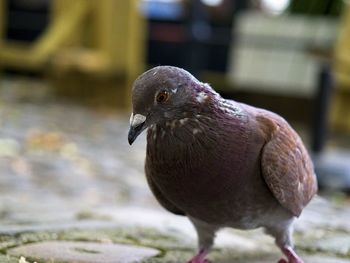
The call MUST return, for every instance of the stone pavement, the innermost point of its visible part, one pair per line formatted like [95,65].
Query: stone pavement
[72,190]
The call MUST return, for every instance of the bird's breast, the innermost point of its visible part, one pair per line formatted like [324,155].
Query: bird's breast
[211,170]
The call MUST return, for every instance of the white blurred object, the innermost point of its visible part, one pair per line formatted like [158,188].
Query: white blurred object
[9,147]
[275,6]
[271,53]
[212,2]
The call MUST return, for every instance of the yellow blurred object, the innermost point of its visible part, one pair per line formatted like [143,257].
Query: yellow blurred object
[45,141]
[341,101]
[102,39]
[2,22]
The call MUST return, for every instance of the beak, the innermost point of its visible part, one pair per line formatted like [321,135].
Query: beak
[137,125]
[134,132]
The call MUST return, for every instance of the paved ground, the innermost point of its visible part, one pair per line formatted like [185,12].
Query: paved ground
[72,190]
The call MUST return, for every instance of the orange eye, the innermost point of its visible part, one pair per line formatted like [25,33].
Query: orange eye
[162,97]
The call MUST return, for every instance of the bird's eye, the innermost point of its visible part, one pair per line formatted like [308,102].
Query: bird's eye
[162,97]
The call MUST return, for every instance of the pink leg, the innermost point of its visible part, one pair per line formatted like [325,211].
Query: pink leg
[291,255]
[200,257]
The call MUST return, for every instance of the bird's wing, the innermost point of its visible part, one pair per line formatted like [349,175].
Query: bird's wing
[286,165]
[161,198]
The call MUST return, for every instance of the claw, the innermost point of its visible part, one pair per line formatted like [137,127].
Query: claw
[200,257]
[199,261]
[291,255]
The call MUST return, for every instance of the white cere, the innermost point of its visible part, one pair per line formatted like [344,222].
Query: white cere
[174,90]
[131,116]
[137,119]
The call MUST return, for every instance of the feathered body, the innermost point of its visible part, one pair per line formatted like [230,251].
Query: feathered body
[223,163]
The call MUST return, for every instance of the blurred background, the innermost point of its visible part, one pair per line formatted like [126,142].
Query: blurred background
[66,70]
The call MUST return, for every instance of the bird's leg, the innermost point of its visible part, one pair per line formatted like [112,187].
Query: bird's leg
[291,255]
[200,257]
[206,234]
[282,233]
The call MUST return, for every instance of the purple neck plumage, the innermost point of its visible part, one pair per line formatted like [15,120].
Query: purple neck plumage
[200,87]
[212,100]
[207,107]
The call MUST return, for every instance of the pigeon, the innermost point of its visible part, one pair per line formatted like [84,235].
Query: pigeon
[219,162]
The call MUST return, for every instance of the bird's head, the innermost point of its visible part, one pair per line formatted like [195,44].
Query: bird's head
[160,94]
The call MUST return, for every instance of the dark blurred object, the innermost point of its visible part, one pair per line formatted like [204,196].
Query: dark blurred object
[316,7]
[333,171]
[196,37]
[332,168]
[322,108]
[26,20]
[200,32]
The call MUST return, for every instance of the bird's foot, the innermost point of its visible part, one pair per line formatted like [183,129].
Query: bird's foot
[195,260]
[290,261]
[291,255]
[200,257]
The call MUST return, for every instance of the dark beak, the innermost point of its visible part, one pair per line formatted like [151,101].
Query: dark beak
[134,132]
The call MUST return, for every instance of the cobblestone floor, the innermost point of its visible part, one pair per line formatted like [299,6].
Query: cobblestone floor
[72,190]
